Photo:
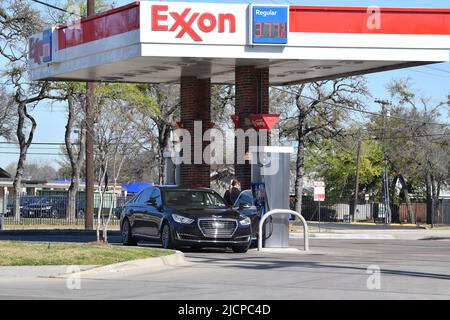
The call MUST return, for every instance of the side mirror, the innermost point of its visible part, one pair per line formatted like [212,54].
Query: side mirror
[244,205]
[151,201]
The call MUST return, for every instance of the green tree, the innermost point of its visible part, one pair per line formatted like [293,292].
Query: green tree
[335,161]
[415,144]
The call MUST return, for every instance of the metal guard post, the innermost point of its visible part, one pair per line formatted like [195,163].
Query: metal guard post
[277,211]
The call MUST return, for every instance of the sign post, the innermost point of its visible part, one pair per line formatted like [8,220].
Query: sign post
[319,194]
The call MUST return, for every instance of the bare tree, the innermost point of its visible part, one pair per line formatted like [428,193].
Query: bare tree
[18,21]
[7,114]
[317,115]
[35,170]
[156,122]
[422,157]
[75,151]
[116,139]
[222,107]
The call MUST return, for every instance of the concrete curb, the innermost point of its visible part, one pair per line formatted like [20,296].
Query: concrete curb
[289,250]
[172,260]
[344,236]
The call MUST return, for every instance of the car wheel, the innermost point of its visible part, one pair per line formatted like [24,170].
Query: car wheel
[241,248]
[80,214]
[54,213]
[127,236]
[166,237]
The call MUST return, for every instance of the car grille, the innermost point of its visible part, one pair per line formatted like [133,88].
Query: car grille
[217,228]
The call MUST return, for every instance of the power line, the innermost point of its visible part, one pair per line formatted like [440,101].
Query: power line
[34,153]
[31,148]
[57,8]
[36,143]
[431,74]
[438,69]
[362,111]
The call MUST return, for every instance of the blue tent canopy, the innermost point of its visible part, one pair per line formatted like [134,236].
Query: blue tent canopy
[66,180]
[135,187]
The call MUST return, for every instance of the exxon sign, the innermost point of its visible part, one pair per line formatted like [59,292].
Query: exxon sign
[40,47]
[198,23]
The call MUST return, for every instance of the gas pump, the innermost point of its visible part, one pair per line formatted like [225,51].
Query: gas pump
[259,201]
[270,189]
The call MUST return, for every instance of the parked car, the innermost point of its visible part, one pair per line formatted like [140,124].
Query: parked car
[120,206]
[52,207]
[184,217]
[24,200]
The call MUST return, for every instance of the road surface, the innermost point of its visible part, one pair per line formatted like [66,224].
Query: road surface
[335,269]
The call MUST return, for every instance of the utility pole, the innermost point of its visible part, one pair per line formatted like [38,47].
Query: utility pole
[358,164]
[89,122]
[386,199]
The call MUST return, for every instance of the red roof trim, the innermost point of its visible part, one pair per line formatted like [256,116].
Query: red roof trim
[102,14]
[319,19]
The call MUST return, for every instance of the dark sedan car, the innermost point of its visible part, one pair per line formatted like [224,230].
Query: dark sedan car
[184,217]
[52,207]
[24,201]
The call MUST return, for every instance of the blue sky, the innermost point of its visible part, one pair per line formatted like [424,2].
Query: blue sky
[428,80]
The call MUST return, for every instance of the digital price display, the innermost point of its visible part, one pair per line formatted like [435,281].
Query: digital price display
[269,24]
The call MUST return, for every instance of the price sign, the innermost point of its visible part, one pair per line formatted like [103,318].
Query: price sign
[269,24]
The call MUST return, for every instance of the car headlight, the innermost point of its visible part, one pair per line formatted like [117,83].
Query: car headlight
[181,219]
[245,222]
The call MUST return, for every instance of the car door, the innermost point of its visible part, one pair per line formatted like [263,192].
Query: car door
[153,213]
[136,212]
[245,205]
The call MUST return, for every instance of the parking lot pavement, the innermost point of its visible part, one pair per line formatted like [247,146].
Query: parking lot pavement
[349,227]
[333,270]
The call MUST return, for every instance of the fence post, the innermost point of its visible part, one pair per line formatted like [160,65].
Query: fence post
[5,201]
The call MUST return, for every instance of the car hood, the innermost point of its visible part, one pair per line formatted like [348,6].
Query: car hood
[38,205]
[208,213]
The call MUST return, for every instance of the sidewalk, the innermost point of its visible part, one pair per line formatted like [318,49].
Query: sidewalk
[368,231]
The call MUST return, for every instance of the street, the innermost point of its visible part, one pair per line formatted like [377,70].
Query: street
[410,269]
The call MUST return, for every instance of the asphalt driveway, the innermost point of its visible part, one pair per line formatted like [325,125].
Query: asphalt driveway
[335,269]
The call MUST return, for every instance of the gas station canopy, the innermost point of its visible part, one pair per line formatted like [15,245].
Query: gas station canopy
[159,42]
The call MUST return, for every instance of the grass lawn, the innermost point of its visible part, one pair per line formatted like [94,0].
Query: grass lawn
[18,253]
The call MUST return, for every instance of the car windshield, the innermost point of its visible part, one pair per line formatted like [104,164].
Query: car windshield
[186,199]
[42,201]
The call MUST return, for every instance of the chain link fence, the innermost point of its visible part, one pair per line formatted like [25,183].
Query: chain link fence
[51,211]
[342,210]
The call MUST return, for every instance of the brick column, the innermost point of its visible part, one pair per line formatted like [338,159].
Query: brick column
[195,106]
[252,96]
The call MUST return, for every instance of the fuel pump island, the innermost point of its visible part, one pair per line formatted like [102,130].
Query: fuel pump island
[253,46]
